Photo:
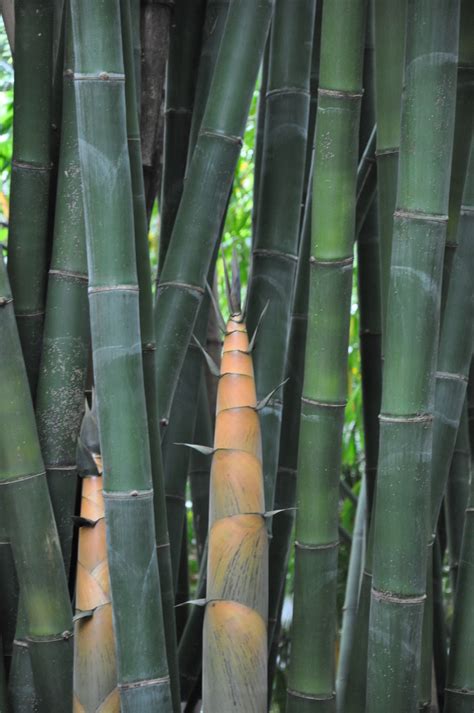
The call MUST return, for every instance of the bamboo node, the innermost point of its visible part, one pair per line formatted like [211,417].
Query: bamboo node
[262,252]
[416,418]
[418,215]
[337,94]
[397,599]
[142,684]
[309,696]
[304,546]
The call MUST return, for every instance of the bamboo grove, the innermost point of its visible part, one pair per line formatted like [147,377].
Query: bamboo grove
[236,356]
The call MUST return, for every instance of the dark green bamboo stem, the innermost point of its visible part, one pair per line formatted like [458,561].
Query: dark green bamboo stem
[135,7]
[390,32]
[354,578]
[199,470]
[214,23]
[9,598]
[142,668]
[22,694]
[3,683]
[190,645]
[413,315]
[457,494]
[311,678]
[462,134]
[275,243]
[440,633]
[30,522]
[260,131]
[66,337]
[148,353]
[154,30]
[203,203]
[313,104]
[459,693]
[185,44]
[182,588]
[30,180]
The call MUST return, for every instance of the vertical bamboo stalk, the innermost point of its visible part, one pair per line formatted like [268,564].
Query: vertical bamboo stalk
[66,338]
[199,471]
[148,348]
[203,203]
[311,678]
[142,668]
[460,678]
[185,44]
[457,495]
[406,431]
[389,70]
[30,522]
[30,178]
[276,238]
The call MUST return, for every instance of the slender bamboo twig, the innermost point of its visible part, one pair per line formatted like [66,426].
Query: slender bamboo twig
[406,427]
[30,522]
[197,227]
[311,678]
[30,178]
[114,305]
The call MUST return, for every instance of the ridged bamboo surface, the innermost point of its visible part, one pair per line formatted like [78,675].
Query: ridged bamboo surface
[95,675]
[235,621]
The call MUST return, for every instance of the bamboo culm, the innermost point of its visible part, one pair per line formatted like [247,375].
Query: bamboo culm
[142,668]
[406,422]
[148,347]
[277,229]
[31,526]
[31,172]
[311,678]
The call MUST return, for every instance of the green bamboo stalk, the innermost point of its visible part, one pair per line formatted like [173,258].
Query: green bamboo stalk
[135,6]
[413,316]
[66,337]
[260,131]
[185,45]
[354,573]
[213,29]
[203,203]
[311,677]
[22,694]
[182,587]
[9,597]
[155,29]
[4,708]
[390,32]
[440,634]
[114,305]
[459,693]
[199,470]
[148,352]
[30,177]
[190,645]
[276,238]
[457,495]
[30,522]
[462,134]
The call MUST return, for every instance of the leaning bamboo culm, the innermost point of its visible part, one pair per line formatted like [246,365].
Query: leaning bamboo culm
[142,668]
[204,202]
[311,678]
[31,526]
[235,620]
[31,167]
[413,311]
